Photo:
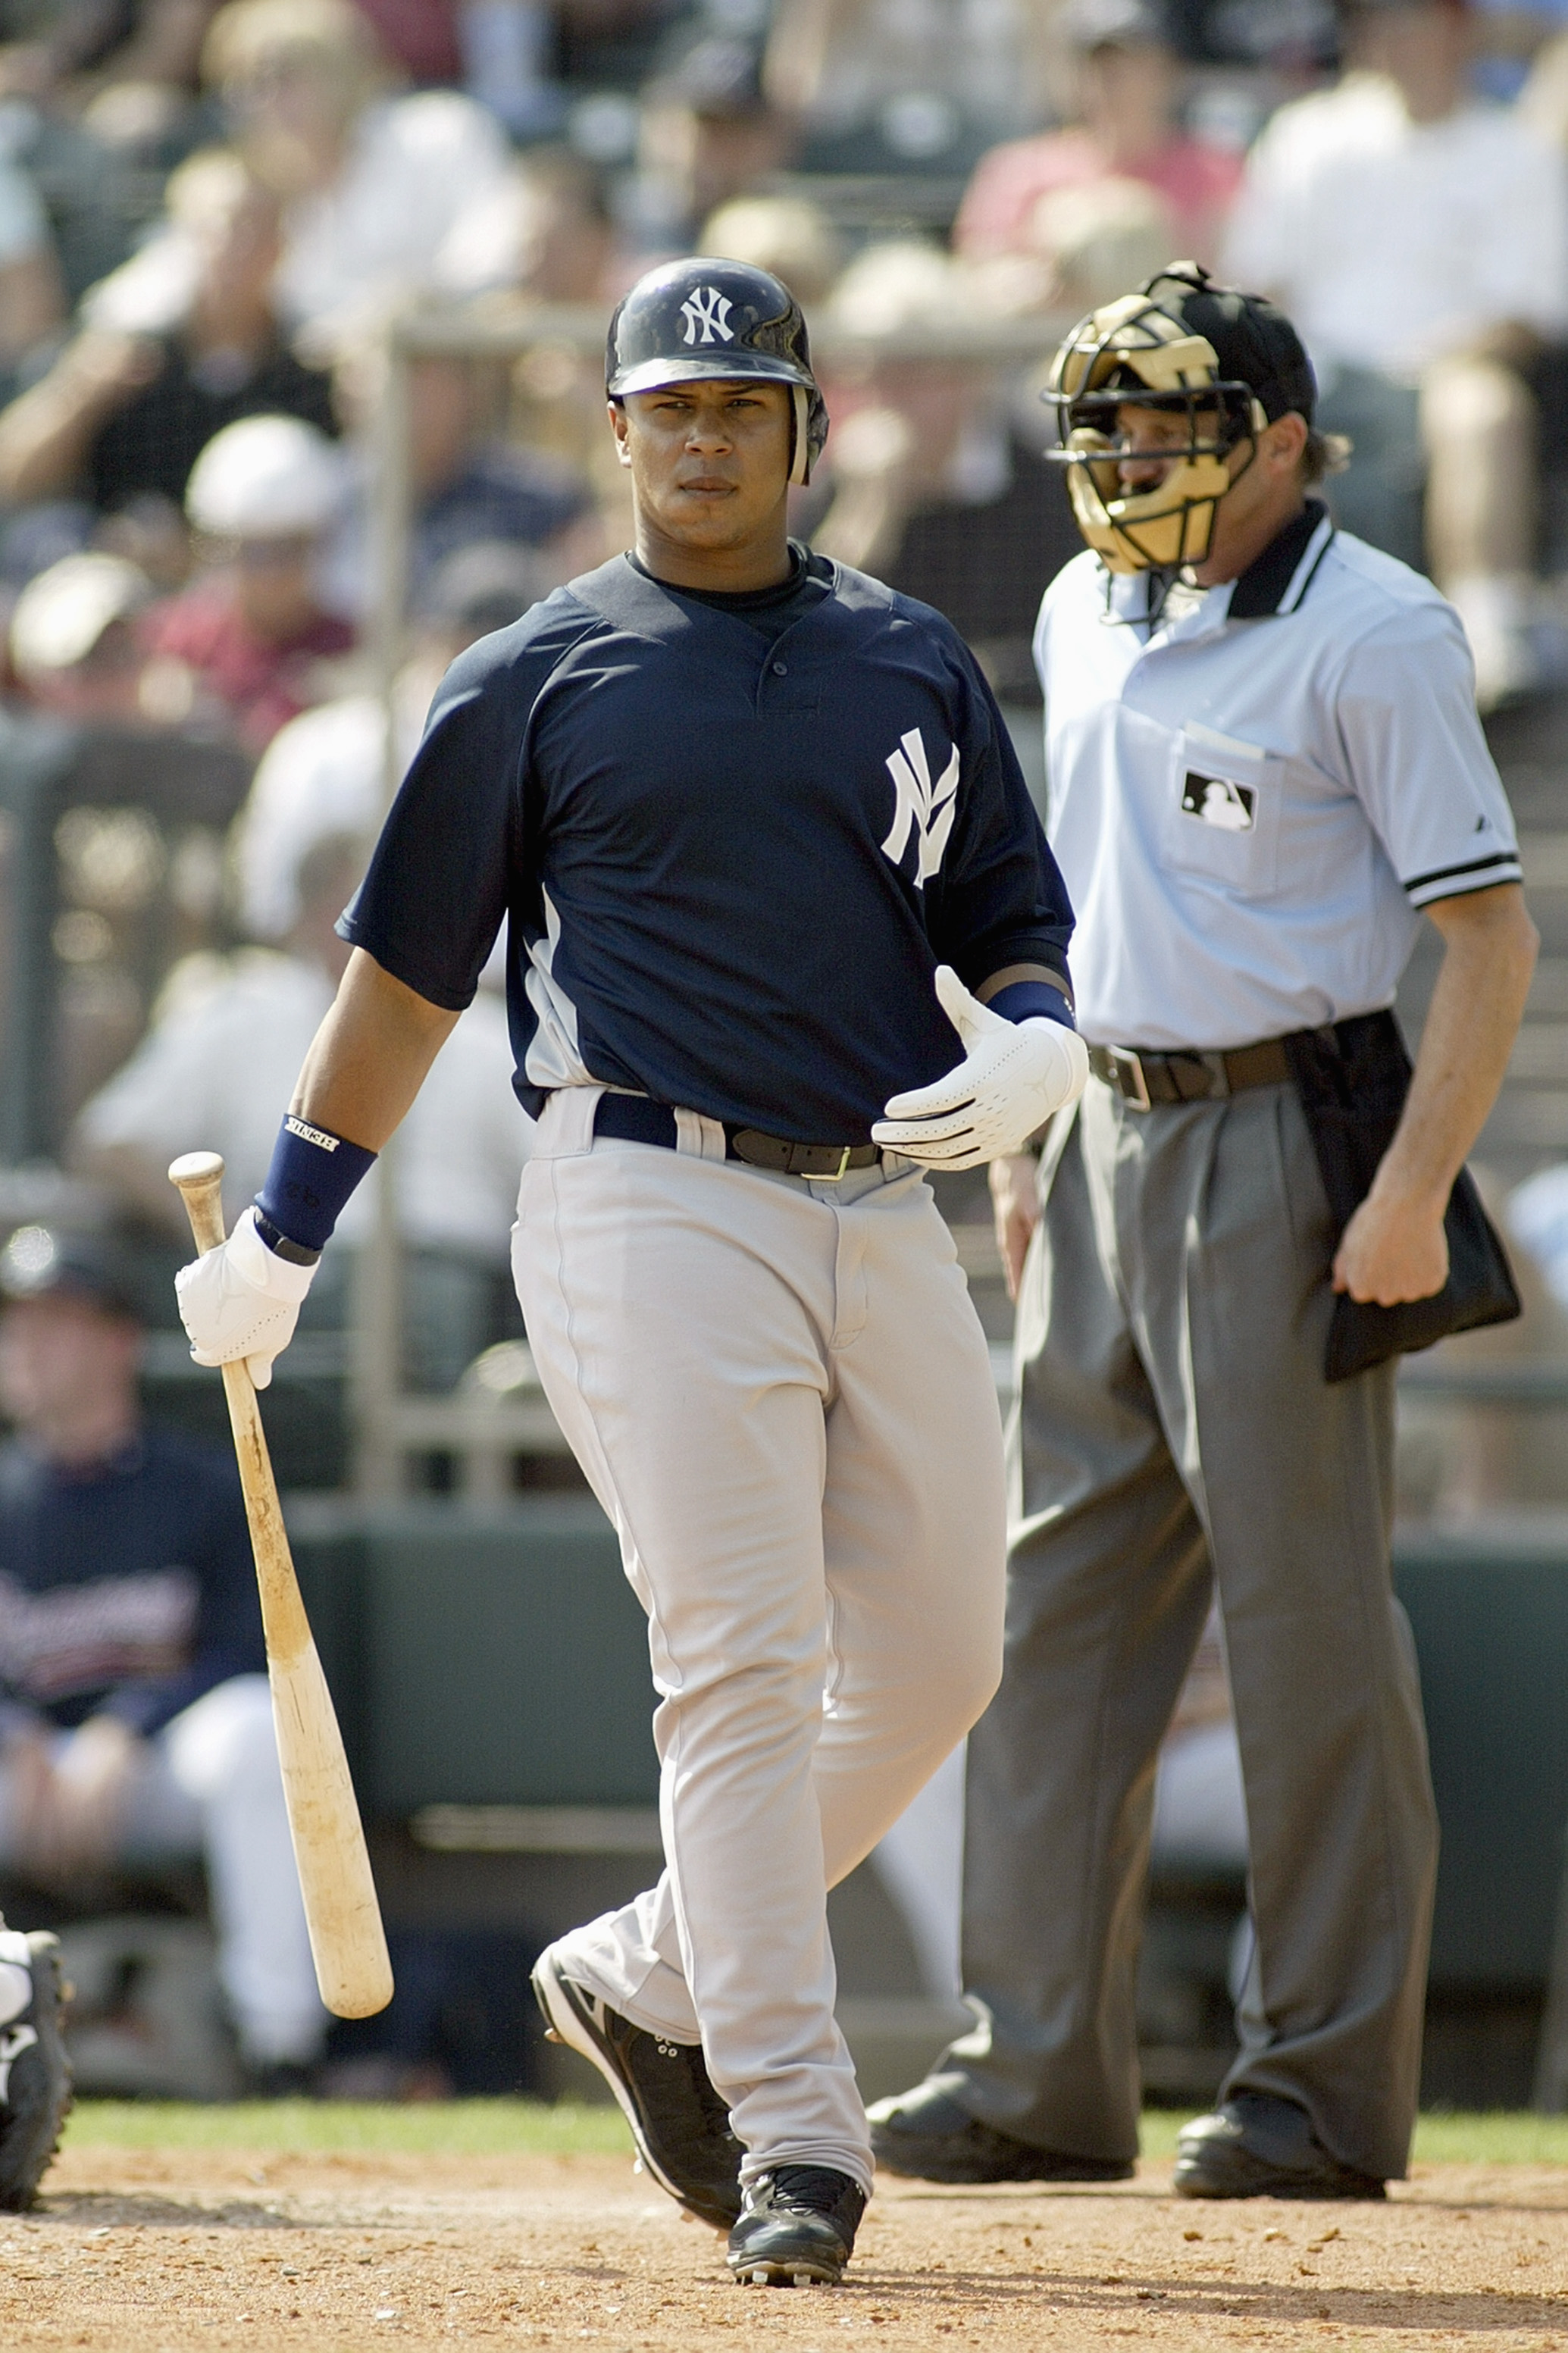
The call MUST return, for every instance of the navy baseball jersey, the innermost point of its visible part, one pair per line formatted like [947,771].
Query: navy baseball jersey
[733,836]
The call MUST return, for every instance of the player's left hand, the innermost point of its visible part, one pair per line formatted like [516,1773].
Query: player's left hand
[1393,1250]
[1014,1075]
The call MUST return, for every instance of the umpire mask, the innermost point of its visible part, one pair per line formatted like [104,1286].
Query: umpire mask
[695,319]
[1203,354]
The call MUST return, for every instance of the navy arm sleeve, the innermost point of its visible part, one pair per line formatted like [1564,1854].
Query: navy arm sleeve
[999,899]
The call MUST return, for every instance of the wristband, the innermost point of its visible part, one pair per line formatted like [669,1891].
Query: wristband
[307,1186]
[1032,1001]
[278,1244]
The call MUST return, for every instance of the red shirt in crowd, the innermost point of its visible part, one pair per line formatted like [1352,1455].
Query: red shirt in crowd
[1197,182]
[261,682]
[422,35]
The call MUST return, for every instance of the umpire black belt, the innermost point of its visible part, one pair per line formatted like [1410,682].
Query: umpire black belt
[1143,1077]
[638,1120]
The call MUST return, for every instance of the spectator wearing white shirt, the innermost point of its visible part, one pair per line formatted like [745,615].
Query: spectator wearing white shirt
[229,1035]
[1419,235]
[378,189]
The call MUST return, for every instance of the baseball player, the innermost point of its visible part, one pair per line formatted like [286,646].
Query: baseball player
[1264,761]
[782,929]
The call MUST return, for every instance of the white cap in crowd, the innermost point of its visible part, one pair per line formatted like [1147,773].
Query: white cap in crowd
[265,477]
[62,613]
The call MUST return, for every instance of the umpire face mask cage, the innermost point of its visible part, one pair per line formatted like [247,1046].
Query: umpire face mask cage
[694,320]
[1134,354]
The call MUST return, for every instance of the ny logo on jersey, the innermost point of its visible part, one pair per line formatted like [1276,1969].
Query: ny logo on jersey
[920,807]
[706,308]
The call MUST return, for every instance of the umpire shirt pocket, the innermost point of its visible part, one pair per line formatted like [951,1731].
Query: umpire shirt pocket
[1222,810]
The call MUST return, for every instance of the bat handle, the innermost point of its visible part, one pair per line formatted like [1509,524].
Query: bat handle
[198,1176]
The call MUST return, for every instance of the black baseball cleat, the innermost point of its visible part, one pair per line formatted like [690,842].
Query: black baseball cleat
[35,2073]
[663,2089]
[798,2229]
[1258,2145]
[925,2133]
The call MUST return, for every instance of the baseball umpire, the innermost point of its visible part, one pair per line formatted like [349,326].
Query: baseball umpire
[1264,759]
[764,848]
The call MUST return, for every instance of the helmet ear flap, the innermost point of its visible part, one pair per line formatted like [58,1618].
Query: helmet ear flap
[800,436]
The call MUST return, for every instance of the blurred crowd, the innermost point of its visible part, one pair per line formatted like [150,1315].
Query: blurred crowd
[210,214]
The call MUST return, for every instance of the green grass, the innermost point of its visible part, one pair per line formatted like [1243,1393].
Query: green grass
[307,2127]
[1499,2139]
[528,2128]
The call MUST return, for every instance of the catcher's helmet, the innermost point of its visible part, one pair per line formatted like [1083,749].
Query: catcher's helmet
[698,318]
[1229,363]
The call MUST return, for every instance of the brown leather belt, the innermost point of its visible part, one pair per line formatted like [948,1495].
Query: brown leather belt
[1144,1077]
[826,1162]
[638,1120]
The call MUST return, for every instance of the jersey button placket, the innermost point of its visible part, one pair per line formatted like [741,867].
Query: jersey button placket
[781,670]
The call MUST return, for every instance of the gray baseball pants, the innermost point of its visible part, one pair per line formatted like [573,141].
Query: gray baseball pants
[780,1394]
[1175,1430]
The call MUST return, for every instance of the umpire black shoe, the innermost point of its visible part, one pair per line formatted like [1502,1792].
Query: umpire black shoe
[1258,2145]
[664,2091]
[798,2228]
[35,2073]
[925,2133]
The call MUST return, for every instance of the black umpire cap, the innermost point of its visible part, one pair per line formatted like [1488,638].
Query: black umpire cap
[1254,342]
[698,319]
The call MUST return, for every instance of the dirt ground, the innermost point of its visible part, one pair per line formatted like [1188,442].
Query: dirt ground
[136,2251]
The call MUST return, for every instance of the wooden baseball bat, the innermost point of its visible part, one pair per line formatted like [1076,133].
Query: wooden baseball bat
[347,1941]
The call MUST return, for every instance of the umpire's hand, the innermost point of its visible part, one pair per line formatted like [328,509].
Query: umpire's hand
[1016,1205]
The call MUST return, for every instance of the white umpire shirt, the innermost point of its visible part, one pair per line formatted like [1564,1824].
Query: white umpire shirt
[1251,798]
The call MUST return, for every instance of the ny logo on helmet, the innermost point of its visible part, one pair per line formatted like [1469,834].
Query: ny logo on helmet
[706,308]
[920,807]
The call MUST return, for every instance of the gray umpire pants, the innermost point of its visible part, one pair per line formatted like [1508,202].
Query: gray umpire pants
[1175,1432]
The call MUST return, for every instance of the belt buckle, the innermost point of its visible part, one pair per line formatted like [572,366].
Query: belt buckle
[1128,1065]
[835,1175]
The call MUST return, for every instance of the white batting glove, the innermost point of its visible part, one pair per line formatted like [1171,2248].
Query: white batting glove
[241,1299]
[1014,1075]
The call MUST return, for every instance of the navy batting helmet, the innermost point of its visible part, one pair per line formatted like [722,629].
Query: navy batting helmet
[687,319]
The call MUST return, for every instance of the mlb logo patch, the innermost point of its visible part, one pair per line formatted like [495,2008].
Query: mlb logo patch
[1214,800]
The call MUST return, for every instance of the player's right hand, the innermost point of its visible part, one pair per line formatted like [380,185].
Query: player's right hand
[241,1299]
